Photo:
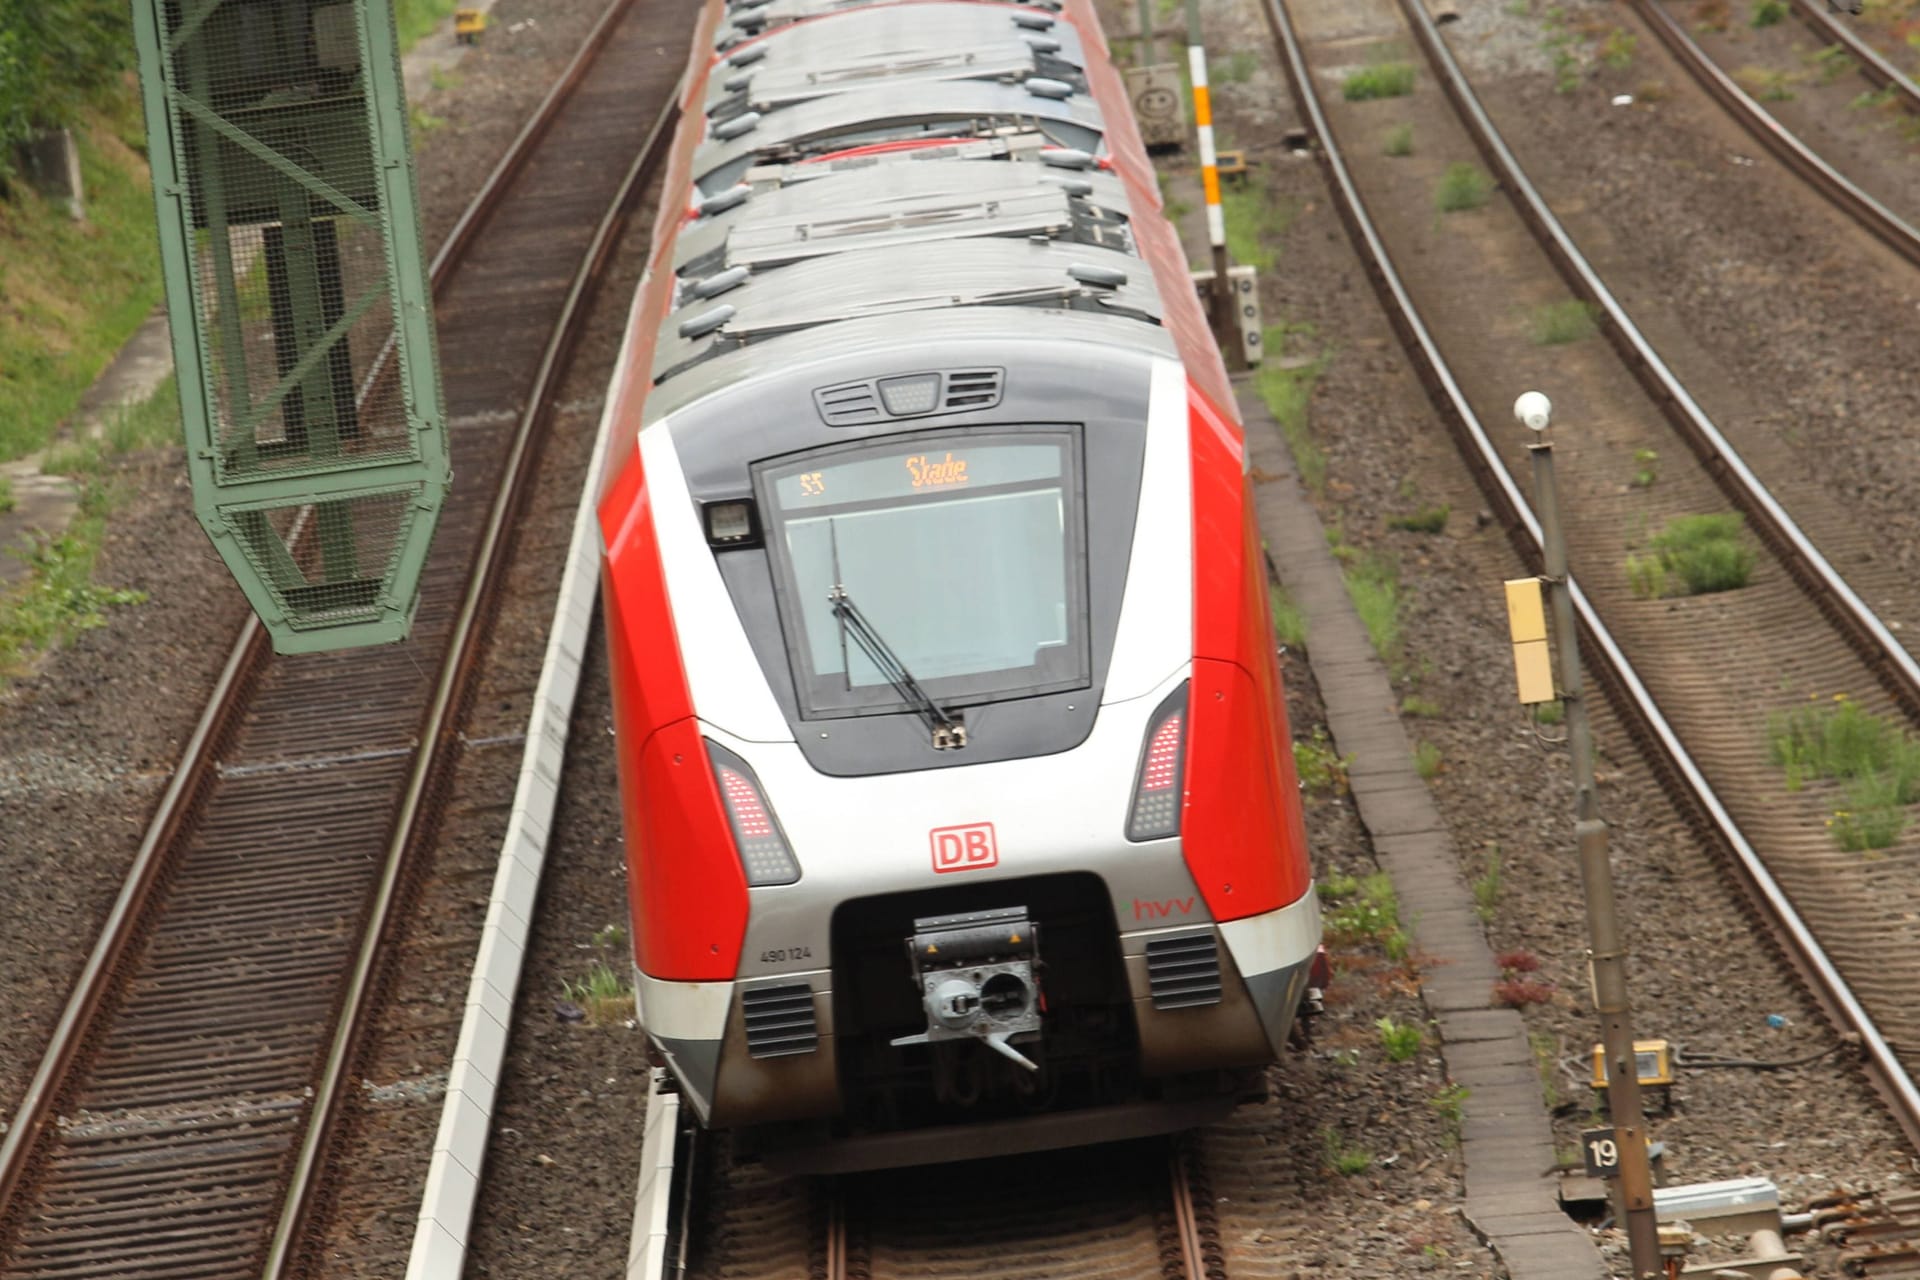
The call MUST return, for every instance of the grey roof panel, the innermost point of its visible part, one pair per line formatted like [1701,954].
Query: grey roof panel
[742,21]
[881,113]
[895,204]
[900,281]
[896,44]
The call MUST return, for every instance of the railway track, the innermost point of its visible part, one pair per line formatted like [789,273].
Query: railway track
[1134,1209]
[180,1120]
[1837,917]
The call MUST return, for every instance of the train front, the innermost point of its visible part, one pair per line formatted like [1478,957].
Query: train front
[959,806]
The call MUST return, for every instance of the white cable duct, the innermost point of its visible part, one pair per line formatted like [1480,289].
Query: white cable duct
[459,1149]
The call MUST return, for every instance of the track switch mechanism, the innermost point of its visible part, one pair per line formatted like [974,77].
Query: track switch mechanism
[975,975]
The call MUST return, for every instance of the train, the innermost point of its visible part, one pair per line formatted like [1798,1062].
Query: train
[958,800]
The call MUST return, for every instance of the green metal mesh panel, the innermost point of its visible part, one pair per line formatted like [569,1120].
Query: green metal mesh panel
[326,563]
[298,293]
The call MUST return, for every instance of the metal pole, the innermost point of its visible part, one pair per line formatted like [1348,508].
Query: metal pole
[1607,953]
[1220,309]
[1146,33]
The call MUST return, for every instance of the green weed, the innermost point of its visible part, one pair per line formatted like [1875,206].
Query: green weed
[59,598]
[1399,140]
[1415,705]
[1425,520]
[604,995]
[1768,12]
[1487,885]
[1373,583]
[1463,186]
[1289,620]
[1693,555]
[1369,912]
[1765,84]
[1874,817]
[1562,322]
[1342,1159]
[1319,766]
[1381,80]
[1546,1061]
[1238,67]
[1427,761]
[1550,713]
[1872,99]
[1252,218]
[416,18]
[1618,48]
[1401,1040]
[6,494]
[1831,63]
[1451,1103]
[153,422]
[1646,465]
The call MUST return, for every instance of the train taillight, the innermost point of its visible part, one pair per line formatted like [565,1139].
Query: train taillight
[765,855]
[1157,792]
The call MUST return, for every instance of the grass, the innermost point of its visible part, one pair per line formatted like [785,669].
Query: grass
[1319,766]
[153,422]
[1251,219]
[1874,817]
[1546,1057]
[1766,85]
[1831,63]
[603,994]
[1451,1103]
[1287,394]
[1768,12]
[1427,761]
[1289,622]
[1425,520]
[1415,705]
[1618,48]
[1487,885]
[1399,140]
[1693,555]
[1463,186]
[1367,911]
[1562,322]
[1876,759]
[1236,68]
[72,293]
[6,494]
[1381,80]
[1401,1040]
[416,18]
[1373,583]
[1550,713]
[1342,1159]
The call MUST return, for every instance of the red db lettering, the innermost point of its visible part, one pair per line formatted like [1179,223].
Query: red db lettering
[967,848]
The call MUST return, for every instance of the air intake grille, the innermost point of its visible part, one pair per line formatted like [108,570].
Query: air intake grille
[780,1020]
[1184,971]
[960,391]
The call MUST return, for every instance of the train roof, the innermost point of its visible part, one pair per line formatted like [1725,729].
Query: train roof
[900,44]
[748,20]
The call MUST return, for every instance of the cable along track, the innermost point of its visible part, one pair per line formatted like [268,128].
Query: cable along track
[1836,897]
[176,1124]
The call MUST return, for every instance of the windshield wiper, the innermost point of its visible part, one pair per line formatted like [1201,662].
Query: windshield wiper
[947,729]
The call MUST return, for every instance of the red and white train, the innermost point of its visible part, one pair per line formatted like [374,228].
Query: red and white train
[959,807]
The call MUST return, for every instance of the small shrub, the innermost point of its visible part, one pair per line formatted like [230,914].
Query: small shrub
[1425,520]
[1646,468]
[1382,80]
[1693,555]
[1618,48]
[1487,885]
[1415,705]
[1320,767]
[1427,761]
[1399,140]
[1518,993]
[1289,622]
[1342,1159]
[1463,186]
[1768,12]
[1513,962]
[1562,322]
[1550,713]
[1401,1040]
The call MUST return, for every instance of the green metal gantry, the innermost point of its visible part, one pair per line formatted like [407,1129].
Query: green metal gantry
[300,305]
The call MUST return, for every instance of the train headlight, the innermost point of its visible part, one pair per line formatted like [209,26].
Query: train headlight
[1157,792]
[765,855]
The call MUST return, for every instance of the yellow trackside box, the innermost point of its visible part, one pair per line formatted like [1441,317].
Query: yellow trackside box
[468,25]
[1527,624]
[1652,1062]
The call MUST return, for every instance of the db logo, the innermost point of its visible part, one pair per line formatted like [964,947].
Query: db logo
[964,848]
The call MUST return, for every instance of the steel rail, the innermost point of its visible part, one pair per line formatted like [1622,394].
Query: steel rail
[1872,65]
[1186,1215]
[1883,222]
[1613,667]
[197,766]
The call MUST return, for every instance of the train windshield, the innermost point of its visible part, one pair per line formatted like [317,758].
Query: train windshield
[964,552]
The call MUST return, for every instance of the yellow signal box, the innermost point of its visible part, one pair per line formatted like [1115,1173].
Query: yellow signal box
[468,24]
[1527,624]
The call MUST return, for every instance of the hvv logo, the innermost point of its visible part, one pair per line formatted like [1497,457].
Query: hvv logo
[967,848]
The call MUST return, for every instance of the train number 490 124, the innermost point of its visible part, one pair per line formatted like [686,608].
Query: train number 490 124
[780,955]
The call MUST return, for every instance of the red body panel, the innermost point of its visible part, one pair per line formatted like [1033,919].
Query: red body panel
[1241,827]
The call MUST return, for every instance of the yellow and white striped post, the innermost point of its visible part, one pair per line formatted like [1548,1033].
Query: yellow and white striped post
[1221,309]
